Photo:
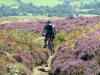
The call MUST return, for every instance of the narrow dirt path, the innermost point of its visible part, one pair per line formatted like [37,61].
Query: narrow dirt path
[43,70]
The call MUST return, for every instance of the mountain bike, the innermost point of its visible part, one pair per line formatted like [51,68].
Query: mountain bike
[50,44]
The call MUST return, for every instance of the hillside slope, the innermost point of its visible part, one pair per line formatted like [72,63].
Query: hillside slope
[61,8]
[34,2]
[77,42]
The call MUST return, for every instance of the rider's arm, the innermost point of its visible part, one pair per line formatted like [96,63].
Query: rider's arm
[43,31]
[55,29]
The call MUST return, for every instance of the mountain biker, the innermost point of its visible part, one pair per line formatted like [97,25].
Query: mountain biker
[49,31]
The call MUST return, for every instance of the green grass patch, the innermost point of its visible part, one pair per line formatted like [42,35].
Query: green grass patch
[8,2]
[81,2]
[14,4]
[28,39]
[29,16]
[50,3]
[34,17]
[17,40]
[16,7]
[83,10]
[88,15]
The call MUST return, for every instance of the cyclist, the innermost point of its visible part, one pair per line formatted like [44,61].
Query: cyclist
[49,31]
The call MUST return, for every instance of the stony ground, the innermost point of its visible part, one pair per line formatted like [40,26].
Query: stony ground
[44,69]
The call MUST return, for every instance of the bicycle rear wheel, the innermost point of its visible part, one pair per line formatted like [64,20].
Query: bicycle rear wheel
[51,46]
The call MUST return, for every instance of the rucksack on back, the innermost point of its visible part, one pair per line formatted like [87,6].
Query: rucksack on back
[49,27]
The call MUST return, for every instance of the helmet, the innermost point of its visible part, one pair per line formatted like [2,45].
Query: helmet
[48,22]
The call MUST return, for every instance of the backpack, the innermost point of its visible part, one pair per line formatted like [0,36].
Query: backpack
[49,27]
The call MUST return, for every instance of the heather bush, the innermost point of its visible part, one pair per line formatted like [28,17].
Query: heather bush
[82,60]
[61,38]
[32,58]
[3,63]
[22,46]
[70,36]
[28,38]
[14,40]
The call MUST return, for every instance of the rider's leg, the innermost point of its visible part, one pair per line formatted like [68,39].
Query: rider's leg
[53,41]
[53,36]
[45,42]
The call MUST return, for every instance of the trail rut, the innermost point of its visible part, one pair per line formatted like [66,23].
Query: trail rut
[44,69]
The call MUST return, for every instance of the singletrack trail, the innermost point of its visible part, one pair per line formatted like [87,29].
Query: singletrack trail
[43,70]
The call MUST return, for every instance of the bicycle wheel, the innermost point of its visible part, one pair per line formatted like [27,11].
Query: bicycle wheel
[51,46]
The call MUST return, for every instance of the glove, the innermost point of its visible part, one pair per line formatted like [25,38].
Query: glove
[43,35]
[55,33]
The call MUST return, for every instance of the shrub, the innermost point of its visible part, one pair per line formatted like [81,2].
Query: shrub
[83,60]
